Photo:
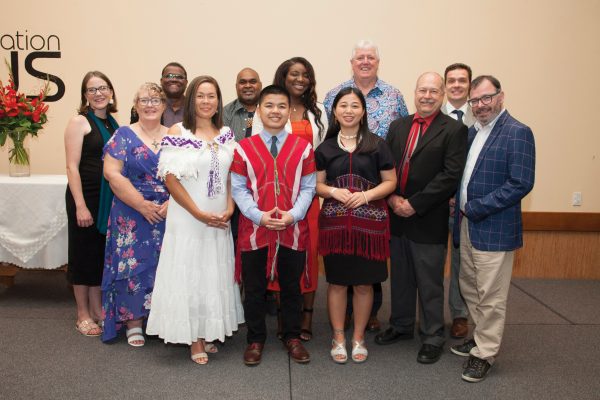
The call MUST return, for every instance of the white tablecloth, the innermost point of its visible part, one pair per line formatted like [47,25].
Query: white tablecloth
[33,221]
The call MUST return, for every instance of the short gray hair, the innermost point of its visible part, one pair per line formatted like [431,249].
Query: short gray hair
[365,44]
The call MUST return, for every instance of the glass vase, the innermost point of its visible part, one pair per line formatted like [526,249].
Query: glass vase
[18,159]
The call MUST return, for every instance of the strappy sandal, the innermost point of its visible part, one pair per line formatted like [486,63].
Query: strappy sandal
[338,353]
[200,358]
[89,328]
[211,348]
[135,335]
[306,334]
[358,350]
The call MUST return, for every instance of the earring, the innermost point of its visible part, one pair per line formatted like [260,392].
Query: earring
[87,103]
[110,101]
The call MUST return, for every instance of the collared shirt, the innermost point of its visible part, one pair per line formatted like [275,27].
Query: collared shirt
[449,108]
[236,117]
[483,132]
[385,104]
[248,206]
[171,117]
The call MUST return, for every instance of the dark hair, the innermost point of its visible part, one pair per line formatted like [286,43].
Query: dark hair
[189,103]
[454,66]
[479,80]
[366,140]
[309,97]
[173,64]
[84,106]
[274,89]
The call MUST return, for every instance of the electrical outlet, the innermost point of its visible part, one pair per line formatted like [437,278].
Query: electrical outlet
[576,199]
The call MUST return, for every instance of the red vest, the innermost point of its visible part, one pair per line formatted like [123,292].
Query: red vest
[274,182]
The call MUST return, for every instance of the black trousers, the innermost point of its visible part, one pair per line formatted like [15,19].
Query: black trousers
[290,264]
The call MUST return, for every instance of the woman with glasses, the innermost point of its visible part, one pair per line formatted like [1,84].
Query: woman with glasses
[136,225]
[88,196]
[307,120]
[196,299]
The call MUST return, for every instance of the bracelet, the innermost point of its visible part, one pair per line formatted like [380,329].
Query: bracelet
[365,196]
[332,190]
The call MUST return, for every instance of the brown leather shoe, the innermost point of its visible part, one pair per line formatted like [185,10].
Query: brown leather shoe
[253,353]
[297,351]
[460,328]
[373,325]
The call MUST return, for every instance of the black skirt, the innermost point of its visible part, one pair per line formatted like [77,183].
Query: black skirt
[347,270]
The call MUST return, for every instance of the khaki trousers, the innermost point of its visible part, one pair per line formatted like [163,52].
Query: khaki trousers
[484,283]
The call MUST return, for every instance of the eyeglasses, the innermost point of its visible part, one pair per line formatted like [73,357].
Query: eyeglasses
[485,100]
[433,92]
[155,101]
[101,89]
[178,77]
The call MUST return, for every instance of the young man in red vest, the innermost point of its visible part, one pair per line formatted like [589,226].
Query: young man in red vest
[273,183]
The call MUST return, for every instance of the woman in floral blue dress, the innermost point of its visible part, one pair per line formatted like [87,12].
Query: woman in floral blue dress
[136,225]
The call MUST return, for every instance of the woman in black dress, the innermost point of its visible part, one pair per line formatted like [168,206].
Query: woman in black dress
[88,196]
[355,172]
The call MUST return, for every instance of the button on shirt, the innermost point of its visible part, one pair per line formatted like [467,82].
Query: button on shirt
[243,195]
[483,132]
[385,104]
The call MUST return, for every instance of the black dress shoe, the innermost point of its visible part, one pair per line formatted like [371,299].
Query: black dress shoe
[390,335]
[429,354]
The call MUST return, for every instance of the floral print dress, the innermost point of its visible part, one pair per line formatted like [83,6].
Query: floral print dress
[132,243]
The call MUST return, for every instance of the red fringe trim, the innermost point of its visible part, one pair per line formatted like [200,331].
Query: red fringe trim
[372,246]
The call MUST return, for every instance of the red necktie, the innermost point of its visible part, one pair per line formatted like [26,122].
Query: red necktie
[413,138]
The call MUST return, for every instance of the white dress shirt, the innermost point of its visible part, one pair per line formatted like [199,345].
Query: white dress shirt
[483,132]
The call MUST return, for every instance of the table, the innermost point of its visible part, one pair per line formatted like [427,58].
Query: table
[33,222]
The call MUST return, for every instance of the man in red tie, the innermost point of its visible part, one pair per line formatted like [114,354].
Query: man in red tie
[430,151]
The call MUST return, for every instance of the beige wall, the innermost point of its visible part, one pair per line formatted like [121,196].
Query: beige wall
[545,53]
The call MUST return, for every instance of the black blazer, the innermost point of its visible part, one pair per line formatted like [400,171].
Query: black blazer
[436,168]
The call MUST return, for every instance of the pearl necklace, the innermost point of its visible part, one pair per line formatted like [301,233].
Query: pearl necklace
[349,149]
[347,137]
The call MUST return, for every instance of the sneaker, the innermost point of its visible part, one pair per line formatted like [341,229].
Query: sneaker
[476,369]
[464,349]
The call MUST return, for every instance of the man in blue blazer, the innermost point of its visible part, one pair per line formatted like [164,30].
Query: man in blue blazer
[499,172]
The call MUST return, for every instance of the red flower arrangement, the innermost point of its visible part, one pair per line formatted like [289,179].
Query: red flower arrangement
[20,116]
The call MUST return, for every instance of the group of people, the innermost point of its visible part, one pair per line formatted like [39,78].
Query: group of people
[196,205]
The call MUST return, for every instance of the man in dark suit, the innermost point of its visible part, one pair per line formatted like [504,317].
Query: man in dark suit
[430,150]
[499,172]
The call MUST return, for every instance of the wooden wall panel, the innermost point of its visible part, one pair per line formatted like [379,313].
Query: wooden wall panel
[558,255]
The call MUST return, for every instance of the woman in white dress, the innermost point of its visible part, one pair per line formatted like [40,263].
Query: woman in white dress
[195,298]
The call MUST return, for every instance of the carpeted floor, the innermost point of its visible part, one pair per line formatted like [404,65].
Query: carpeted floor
[549,352]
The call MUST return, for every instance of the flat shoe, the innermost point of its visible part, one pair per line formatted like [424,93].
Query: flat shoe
[200,358]
[87,327]
[135,335]
[338,352]
[359,349]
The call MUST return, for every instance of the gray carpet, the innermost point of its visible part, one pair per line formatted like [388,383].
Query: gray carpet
[549,352]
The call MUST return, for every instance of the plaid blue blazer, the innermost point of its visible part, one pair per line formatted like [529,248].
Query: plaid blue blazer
[503,174]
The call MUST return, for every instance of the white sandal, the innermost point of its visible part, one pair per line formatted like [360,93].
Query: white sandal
[200,358]
[211,348]
[359,349]
[338,353]
[135,335]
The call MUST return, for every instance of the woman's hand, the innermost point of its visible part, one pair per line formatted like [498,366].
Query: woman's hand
[341,195]
[150,211]
[213,220]
[356,200]
[84,217]
[163,209]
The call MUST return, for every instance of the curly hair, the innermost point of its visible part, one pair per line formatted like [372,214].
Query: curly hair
[309,97]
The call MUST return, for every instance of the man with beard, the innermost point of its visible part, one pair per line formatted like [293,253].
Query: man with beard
[239,113]
[173,82]
[499,172]
[429,149]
